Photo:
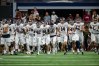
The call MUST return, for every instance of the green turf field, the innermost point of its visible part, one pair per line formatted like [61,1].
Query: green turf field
[88,59]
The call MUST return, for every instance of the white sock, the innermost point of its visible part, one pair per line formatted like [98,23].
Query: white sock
[78,50]
[4,51]
[16,46]
[12,52]
[48,52]
[55,50]
[28,48]
[82,50]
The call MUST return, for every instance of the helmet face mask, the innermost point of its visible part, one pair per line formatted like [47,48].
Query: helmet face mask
[18,21]
[71,22]
[95,20]
[30,22]
[2,22]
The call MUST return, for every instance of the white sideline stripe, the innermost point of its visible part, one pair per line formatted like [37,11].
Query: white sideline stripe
[53,57]
[45,60]
[50,56]
[50,64]
[27,56]
[19,56]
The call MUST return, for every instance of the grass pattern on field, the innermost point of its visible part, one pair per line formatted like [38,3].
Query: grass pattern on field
[88,59]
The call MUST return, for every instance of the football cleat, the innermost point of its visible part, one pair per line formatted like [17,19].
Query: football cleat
[15,53]
[82,53]
[65,53]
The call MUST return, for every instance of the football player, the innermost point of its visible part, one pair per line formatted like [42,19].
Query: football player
[47,38]
[71,31]
[39,36]
[53,37]
[63,29]
[12,37]
[79,26]
[29,37]
[94,29]
[19,37]
[6,37]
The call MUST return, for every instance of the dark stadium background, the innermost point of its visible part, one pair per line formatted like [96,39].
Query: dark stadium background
[6,11]
[91,1]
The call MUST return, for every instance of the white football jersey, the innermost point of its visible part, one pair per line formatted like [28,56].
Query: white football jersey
[34,25]
[47,27]
[19,28]
[71,28]
[12,27]
[63,28]
[42,28]
[38,30]
[78,27]
[94,27]
[30,29]
[53,29]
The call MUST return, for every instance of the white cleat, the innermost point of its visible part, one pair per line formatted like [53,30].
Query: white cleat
[73,52]
[28,52]
[38,53]
[48,52]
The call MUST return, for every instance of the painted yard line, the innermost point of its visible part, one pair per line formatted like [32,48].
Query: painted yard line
[19,56]
[51,57]
[51,64]
[46,60]
[9,61]
[58,58]
[27,56]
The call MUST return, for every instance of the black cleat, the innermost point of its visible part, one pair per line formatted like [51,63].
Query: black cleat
[65,53]
[37,54]
[82,53]
[32,52]
[11,54]
[95,50]
[15,53]
[3,54]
